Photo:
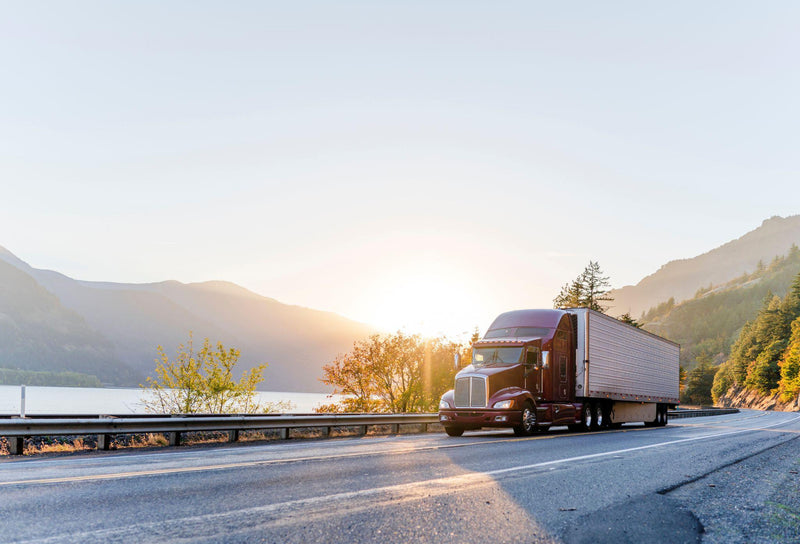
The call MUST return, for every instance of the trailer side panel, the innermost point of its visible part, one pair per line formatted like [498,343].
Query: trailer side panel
[624,363]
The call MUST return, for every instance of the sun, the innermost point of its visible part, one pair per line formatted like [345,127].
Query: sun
[430,306]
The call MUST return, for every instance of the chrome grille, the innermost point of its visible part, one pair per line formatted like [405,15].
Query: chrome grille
[470,392]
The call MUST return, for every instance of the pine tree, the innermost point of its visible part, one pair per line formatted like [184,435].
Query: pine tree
[588,290]
[770,341]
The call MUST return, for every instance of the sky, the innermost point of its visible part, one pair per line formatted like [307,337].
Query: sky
[421,165]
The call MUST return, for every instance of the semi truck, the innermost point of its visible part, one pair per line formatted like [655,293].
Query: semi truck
[534,369]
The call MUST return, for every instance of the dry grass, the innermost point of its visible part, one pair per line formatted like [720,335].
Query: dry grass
[149,440]
[206,437]
[57,447]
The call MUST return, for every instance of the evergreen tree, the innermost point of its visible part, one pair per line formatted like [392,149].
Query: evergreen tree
[770,341]
[588,290]
[790,365]
[626,318]
[723,381]
[699,382]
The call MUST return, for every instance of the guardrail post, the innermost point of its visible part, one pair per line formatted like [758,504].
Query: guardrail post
[16,444]
[233,435]
[174,438]
[103,442]
[362,430]
[395,428]
[285,433]
[424,428]
[326,432]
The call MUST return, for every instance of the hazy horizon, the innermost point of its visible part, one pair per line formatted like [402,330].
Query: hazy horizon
[426,165]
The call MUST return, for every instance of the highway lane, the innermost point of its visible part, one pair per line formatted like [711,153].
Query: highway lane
[631,484]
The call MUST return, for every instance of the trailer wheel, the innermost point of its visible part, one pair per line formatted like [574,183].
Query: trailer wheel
[454,431]
[666,416]
[527,424]
[606,422]
[662,415]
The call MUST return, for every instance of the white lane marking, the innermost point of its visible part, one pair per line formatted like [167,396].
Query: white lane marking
[637,448]
[242,464]
[327,505]
[401,451]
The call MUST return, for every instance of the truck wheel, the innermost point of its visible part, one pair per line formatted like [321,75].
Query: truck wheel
[604,416]
[527,424]
[587,417]
[665,419]
[454,431]
[662,415]
[599,419]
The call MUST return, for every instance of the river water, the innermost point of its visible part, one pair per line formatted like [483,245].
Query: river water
[120,401]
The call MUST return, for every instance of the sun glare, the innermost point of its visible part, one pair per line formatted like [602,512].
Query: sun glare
[428,306]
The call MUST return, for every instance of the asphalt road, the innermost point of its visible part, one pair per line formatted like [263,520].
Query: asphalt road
[720,479]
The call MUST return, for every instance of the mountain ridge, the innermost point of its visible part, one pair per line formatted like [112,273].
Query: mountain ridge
[135,318]
[680,279]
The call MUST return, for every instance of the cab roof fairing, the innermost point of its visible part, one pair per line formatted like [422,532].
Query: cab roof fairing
[528,318]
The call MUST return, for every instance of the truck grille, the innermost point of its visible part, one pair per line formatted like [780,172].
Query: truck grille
[470,392]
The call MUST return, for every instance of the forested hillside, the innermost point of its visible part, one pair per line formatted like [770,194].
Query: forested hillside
[766,355]
[707,325]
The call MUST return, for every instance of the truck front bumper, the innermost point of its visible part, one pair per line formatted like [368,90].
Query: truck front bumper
[475,419]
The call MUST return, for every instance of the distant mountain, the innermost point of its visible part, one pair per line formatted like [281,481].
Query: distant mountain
[38,333]
[124,323]
[681,279]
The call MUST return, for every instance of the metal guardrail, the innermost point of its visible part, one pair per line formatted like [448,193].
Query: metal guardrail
[677,414]
[15,429]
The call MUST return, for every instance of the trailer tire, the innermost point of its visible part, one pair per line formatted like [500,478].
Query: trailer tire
[454,431]
[527,425]
[662,415]
[666,415]
[606,422]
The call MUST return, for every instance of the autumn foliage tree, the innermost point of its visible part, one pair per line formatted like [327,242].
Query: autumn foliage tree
[392,373]
[202,382]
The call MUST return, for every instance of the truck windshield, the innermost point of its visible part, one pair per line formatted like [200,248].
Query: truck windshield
[496,356]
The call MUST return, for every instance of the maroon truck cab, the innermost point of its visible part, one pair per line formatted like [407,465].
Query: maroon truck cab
[522,375]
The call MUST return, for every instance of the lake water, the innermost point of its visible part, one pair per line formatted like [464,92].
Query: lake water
[85,400]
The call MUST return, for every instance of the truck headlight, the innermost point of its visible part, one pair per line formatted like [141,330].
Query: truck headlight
[503,404]
[443,405]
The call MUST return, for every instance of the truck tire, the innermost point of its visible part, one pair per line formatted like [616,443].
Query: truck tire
[454,431]
[666,416]
[527,424]
[662,415]
[604,415]
[599,419]
[587,417]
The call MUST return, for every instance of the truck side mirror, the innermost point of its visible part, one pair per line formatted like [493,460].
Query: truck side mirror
[456,360]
